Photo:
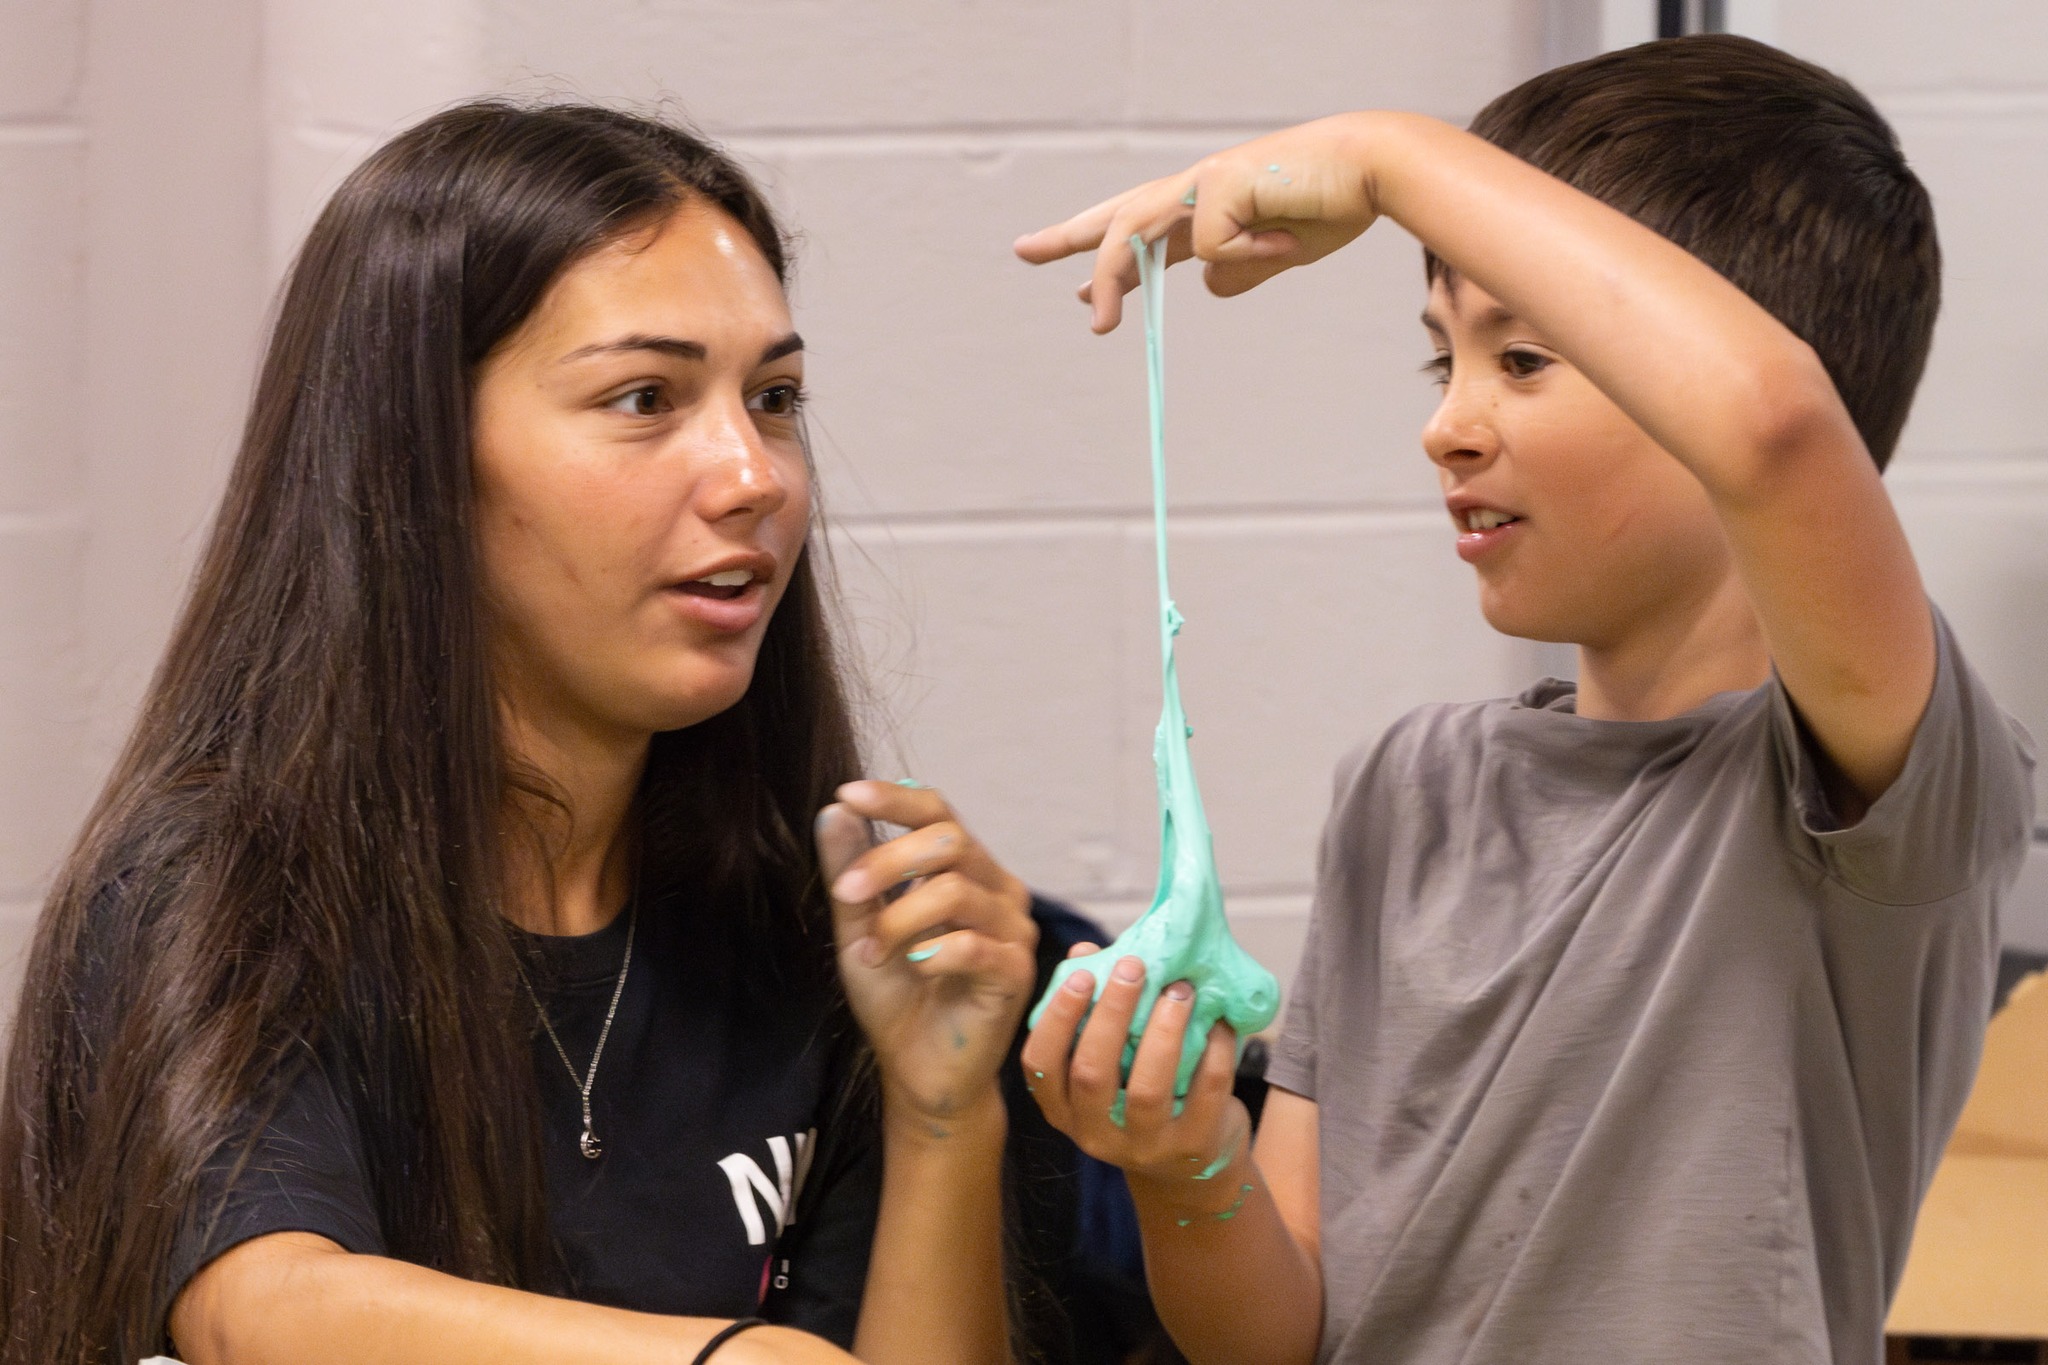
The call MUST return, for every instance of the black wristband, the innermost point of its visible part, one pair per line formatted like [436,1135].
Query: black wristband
[725,1334]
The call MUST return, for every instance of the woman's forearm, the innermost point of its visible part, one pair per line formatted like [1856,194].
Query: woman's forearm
[293,1297]
[935,1291]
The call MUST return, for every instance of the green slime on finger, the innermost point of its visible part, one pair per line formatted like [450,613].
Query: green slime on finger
[1183,936]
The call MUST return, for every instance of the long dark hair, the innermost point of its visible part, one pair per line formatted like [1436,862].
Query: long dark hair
[299,850]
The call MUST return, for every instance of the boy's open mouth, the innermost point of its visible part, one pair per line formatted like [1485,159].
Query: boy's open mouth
[1485,519]
[1482,530]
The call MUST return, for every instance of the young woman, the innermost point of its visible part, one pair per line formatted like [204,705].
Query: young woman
[449,972]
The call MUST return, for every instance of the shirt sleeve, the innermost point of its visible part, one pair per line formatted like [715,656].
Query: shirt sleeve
[1293,1063]
[1959,810]
[302,1170]
[820,1264]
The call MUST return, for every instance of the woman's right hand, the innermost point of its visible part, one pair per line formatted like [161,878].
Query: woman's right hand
[1182,1159]
[938,977]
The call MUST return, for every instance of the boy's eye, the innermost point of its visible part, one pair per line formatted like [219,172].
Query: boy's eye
[645,401]
[1438,368]
[1522,364]
[778,400]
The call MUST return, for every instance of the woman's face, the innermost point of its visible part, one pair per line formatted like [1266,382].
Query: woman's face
[642,492]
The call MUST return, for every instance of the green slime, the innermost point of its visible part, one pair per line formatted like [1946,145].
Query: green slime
[1183,936]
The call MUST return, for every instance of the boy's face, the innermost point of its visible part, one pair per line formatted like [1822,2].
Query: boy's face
[1581,528]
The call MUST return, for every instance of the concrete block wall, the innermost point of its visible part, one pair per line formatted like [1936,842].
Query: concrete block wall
[131,292]
[42,476]
[981,455]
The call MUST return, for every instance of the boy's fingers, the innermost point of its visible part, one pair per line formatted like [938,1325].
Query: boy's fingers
[1148,211]
[1269,245]
[1148,1090]
[1153,211]
[1095,1073]
[1044,1062]
[1215,1075]
[1115,275]
[1082,232]
[1084,950]
[1227,279]
[1046,1052]
[1214,1082]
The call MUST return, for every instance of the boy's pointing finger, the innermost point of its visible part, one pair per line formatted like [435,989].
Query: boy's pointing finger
[1082,232]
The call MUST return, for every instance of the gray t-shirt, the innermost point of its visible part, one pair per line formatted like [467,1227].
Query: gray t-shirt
[1623,1051]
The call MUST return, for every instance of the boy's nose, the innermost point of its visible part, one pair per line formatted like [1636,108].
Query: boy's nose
[1457,433]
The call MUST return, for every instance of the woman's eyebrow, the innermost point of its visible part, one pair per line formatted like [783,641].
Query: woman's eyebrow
[789,345]
[676,346]
[640,341]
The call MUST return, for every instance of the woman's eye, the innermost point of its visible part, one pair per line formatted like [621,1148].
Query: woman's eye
[645,401]
[778,400]
[1438,368]
[1523,364]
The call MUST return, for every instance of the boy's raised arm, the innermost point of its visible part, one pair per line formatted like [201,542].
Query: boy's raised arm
[1707,373]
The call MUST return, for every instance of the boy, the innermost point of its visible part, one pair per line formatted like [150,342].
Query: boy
[1634,1015]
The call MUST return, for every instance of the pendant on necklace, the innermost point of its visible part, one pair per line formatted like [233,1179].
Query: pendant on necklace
[592,1148]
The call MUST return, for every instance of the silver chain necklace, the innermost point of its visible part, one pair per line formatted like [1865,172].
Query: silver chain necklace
[591,1148]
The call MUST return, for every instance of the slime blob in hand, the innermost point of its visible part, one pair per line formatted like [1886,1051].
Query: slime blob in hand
[1183,937]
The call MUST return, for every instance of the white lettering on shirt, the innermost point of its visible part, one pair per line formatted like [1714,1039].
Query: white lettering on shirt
[749,1181]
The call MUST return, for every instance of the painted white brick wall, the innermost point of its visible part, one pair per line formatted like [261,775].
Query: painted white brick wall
[982,454]
[175,297]
[42,517]
[131,288]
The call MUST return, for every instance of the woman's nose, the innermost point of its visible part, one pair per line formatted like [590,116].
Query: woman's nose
[742,474]
[1460,433]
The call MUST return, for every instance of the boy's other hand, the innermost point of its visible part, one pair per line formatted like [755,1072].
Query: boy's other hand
[1076,1084]
[1249,212]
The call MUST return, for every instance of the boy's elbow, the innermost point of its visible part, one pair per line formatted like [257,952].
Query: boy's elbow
[1791,418]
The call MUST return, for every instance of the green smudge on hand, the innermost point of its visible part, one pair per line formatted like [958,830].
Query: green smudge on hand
[1183,936]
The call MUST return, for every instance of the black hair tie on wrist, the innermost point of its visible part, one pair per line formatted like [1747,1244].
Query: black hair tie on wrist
[726,1334]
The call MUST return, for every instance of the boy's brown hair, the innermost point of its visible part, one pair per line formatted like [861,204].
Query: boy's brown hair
[1774,172]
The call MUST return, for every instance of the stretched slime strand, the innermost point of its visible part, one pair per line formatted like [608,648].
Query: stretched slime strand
[1183,936]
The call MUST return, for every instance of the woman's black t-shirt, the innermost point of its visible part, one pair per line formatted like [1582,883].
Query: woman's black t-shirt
[733,1181]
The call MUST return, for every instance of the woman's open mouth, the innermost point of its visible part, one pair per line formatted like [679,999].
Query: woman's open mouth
[719,587]
[730,601]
